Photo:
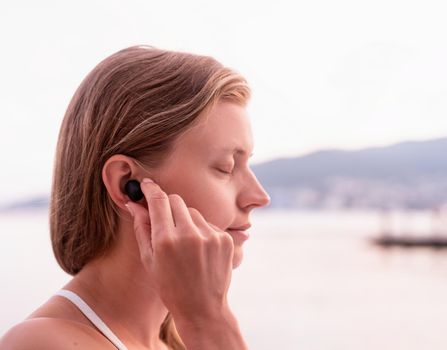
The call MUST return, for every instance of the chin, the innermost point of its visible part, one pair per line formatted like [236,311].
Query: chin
[237,257]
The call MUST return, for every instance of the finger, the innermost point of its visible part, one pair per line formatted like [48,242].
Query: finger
[180,213]
[142,228]
[205,229]
[162,222]
[221,232]
[215,227]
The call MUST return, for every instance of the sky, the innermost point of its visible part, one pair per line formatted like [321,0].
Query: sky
[324,74]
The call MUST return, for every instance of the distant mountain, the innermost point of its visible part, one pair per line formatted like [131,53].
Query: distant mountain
[34,203]
[405,175]
[408,174]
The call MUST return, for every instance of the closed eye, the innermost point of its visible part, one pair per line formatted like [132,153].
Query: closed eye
[224,172]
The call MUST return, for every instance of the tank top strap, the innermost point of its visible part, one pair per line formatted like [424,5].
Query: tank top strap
[92,316]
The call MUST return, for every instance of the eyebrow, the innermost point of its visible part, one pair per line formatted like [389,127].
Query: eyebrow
[237,150]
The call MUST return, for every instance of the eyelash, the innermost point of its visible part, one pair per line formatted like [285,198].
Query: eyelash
[225,172]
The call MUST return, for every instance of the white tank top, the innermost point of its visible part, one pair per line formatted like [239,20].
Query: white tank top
[92,316]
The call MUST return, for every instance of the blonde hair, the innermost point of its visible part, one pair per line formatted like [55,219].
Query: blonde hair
[136,102]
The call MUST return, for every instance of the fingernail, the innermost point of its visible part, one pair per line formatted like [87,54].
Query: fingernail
[128,208]
[146,179]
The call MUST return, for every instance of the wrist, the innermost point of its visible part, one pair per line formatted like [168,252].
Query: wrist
[216,331]
[204,317]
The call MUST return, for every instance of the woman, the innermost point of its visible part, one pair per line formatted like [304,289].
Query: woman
[179,121]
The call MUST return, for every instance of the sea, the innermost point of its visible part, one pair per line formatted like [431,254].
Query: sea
[309,280]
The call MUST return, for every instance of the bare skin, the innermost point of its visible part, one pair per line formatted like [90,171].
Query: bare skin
[123,288]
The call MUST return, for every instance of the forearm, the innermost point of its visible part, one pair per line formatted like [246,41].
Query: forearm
[219,333]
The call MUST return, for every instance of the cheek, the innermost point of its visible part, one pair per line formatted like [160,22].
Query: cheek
[216,207]
[212,196]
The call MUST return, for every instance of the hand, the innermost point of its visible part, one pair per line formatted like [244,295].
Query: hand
[188,259]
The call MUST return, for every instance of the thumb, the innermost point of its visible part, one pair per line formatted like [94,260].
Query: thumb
[142,228]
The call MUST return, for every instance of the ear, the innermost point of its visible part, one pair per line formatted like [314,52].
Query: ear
[117,170]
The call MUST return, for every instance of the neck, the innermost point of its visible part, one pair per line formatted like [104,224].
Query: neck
[118,289]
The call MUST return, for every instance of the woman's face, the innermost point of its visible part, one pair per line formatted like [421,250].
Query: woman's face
[211,176]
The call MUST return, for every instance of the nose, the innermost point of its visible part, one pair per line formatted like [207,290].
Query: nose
[253,194]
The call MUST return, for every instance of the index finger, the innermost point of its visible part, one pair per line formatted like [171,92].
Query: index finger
[162,222]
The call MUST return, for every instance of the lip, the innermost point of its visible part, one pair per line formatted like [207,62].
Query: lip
[241,228]
[239,236]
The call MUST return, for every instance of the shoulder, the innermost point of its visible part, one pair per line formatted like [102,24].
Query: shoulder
[52,333]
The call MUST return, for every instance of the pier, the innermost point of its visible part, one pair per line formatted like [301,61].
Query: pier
[435,238]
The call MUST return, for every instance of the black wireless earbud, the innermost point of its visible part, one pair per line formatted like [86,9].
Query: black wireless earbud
[133,190]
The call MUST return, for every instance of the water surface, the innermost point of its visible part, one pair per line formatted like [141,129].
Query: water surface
[309,280]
